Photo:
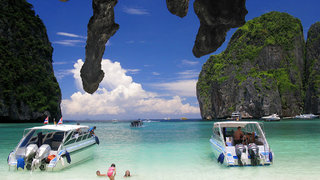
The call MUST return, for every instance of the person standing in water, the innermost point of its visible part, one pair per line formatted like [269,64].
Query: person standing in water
[111,171]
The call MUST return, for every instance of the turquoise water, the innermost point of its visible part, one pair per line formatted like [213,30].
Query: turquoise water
[178,150]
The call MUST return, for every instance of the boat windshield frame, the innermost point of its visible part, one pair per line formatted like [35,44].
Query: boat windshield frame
[30,133]
[246,126]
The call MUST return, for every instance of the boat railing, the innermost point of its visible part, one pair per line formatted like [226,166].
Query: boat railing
[77,137]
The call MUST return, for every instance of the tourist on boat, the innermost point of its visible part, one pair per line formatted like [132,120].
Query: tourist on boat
[238,135]
[111,172]
[40,139]
[249,138]
[127,173]
[91,130]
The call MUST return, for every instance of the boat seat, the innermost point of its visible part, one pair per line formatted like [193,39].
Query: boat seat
[229,141]
[55,145]
[48,141]
[58,136]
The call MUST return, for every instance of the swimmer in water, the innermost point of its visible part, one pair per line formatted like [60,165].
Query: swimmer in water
[127,173]
[111,172]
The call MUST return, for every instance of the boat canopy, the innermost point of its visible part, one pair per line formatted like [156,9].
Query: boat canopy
[59,127]
[233,124]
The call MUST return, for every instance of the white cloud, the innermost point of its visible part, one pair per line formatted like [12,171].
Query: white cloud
[188,74]
[189,63]
[62,73]
[70,42]
[70,35]
[155,73]
[130,42]
[172,106]
[135,11]
[119,96]
[181,88]
[108,43]
[59,63]
[133,71]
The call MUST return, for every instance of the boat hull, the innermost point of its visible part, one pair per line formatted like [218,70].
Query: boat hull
[77,157]
[230,158]
[67,156]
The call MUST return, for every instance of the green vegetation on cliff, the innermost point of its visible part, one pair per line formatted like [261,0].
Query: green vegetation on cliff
[312,103]
[267,52]
[27,77]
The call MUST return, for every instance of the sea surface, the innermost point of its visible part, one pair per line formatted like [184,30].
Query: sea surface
[178,150]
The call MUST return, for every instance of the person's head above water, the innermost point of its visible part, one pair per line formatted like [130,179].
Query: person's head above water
[113,165]
[127,173]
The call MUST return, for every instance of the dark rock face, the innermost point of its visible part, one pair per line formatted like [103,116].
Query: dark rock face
[100,28]
[216,19]
[312,103]
[260,72]
[29,90]
[178,7]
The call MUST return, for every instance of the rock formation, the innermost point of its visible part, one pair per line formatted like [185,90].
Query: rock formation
[216,18]
[312,103]
[260,72]
[178,7]
[29,90]
[100,28]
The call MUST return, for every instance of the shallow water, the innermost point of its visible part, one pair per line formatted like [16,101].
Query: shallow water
[178,150]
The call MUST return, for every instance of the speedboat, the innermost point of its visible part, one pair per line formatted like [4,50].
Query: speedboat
[272,117]
[306,116]
[137,123]
[236,116]
[254,149]
[53,147]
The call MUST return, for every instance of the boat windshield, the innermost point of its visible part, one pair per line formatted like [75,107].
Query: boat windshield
[43,136]
[250,130]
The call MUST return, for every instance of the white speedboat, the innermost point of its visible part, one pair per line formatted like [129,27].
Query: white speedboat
[306,116]
[254,151]
[236,116]
[53,147]
[272,117]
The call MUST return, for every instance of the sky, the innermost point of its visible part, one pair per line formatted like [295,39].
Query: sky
[150,71]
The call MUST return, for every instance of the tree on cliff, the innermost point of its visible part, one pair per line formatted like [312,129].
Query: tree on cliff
[28,87]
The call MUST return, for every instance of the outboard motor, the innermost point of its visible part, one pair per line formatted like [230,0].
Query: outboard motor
[240,152]
[253,150]
[31,151]
[40,159]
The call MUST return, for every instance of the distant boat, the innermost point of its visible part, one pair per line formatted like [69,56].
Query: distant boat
[137,123]
[273,117]
[115,120]
[306,116]
[236,116]
[183,118]
[166,118]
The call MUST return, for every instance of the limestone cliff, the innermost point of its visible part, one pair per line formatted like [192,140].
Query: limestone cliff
[312,103]
[28,88]
[260,73]
[100,28]
[216,18]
